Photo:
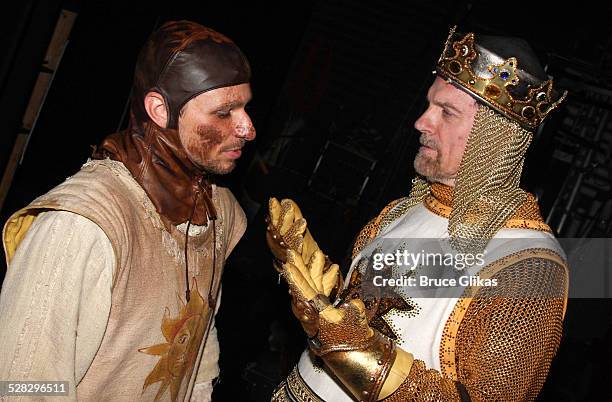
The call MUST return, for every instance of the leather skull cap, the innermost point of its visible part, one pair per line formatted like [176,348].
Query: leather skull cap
[181,60]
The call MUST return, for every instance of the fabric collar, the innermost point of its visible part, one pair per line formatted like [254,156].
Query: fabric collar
[440,202]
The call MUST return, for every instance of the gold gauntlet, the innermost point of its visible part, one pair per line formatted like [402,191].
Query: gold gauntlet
[359,356]
[287,230]
[362,368]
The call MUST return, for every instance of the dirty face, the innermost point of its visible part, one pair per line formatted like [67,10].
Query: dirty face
[214,126]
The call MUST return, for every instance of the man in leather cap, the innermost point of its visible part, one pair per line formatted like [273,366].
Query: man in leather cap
[490,335]
[114,276]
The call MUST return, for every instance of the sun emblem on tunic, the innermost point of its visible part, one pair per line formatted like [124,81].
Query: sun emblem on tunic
[183,338]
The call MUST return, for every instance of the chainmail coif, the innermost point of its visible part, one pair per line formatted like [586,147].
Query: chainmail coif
[487,189]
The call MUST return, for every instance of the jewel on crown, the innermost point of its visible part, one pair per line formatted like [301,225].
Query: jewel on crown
[498,84]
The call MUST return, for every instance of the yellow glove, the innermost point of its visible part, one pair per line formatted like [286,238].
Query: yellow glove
[287,229]
[310,287]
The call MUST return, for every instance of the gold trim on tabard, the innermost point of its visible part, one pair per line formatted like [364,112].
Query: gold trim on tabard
[440,209]
[294,389]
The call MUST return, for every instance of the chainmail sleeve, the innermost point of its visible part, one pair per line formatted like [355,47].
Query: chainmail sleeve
[504,345]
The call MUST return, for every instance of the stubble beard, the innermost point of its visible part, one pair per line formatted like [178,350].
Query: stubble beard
[218,167]
[426,165]
[423,165]
[429,166]
[203,146]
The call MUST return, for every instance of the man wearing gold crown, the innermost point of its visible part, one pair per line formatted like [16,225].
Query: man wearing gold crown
[491,337]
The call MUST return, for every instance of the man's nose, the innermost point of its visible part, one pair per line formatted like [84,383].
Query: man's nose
[246,130]
[423,124]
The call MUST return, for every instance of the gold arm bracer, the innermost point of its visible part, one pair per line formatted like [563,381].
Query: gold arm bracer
[362,368]
[363,359]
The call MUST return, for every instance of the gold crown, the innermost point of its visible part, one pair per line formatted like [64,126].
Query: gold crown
[503,86]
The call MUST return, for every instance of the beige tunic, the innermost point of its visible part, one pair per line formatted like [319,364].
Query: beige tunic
[128,333]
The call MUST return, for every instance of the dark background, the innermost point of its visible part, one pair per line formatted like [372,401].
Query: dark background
[337,86]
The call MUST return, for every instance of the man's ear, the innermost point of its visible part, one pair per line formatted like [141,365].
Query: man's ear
[155,105]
